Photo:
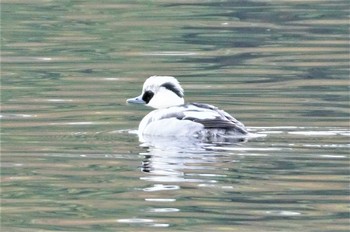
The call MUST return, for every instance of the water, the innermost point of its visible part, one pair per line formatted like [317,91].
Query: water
[70,159]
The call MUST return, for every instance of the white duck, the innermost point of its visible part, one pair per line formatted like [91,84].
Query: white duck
[174,118]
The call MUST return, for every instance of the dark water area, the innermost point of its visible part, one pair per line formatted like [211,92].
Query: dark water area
[70,157]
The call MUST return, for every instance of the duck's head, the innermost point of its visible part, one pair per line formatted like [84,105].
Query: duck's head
[160,92]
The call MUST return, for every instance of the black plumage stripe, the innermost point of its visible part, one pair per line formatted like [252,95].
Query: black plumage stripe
[170,86]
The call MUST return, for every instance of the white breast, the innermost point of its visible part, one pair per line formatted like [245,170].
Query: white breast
[157,124]
[171,127]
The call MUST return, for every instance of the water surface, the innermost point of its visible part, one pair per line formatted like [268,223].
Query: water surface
[70,159]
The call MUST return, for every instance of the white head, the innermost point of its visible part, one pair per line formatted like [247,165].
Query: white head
[160,92]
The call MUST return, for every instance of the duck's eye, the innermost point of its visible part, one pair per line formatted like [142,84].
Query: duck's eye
[147,96]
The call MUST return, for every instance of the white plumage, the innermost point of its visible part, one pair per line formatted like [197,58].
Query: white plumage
[174,118]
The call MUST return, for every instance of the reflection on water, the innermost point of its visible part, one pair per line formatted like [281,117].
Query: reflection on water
[191,143]
[242,184]
[69,163]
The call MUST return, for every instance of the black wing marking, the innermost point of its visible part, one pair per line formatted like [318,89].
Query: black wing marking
[225,121]
[219,124]
[213,123]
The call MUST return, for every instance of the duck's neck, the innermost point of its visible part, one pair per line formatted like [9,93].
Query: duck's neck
[164,99]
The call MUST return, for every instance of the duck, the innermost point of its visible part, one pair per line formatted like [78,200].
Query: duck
[172,117]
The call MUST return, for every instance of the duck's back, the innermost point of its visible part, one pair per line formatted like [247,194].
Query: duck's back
[192,119]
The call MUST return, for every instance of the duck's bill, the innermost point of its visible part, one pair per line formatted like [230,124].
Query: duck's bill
[136,100]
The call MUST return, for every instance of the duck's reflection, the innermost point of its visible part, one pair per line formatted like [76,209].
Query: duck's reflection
[175,168]
[164,166]
[173,160]
[190,143]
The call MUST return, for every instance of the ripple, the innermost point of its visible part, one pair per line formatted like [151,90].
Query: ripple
[160,225]
[79,123]
[283,213]
[160,199]
[243,149]
[164,210]
[25,59]
[314,133]
[135,220]
[59,100]
[169,53]
[161,187]
[16,116]
[327,145]
[169,178]
[333,156]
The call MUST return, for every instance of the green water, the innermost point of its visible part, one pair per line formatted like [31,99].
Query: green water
[71,162]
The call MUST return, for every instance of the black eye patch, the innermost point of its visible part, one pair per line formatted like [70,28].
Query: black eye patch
[172,87]
[147,96]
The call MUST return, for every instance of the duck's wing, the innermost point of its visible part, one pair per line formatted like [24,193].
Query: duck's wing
[189,118]
[211,117]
